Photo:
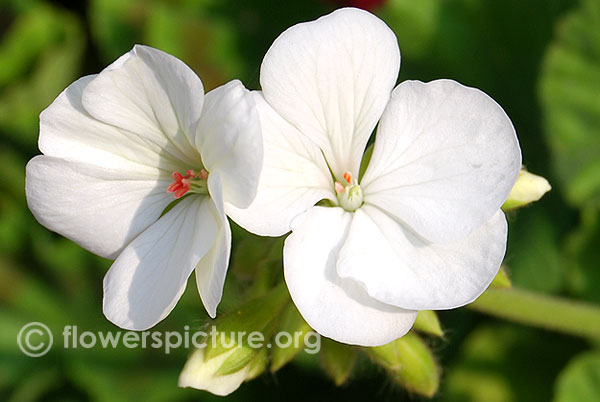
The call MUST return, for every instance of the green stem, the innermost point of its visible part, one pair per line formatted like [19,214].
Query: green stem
[549,312]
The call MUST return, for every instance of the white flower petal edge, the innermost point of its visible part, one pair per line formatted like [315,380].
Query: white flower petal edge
[384,256]
[338,308]
[100,208]
[151,94]
[212,268]
[62,128]
[229,137]
[331,79]
[294,177]
[148,278]
[446,157]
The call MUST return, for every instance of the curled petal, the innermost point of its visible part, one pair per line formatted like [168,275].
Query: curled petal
[212,268]
[229,139]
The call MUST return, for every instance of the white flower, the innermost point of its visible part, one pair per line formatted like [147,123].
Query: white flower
[422,229]
[111,144]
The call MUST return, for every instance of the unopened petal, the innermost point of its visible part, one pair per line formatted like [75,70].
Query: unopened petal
[338,308]
[200,373]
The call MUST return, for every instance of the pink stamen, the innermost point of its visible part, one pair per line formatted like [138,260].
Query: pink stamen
[338,187]
[182,183]
[348,177]
[203,174]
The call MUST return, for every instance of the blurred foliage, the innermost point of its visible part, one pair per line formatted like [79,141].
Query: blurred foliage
[540,59]
[580,382]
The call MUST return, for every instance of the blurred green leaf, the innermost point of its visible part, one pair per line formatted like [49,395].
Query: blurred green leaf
[414,23]
[204,40]
[580,380]
[337,359]
[185,29]
[53,62]
[569,88]
[32,388]
[410,363]
[32,32]
[105,383]
[582,256]
[116,25]
[533,255]
[506,363]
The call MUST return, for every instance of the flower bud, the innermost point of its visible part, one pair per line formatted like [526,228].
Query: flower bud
[205,373]
[528,188]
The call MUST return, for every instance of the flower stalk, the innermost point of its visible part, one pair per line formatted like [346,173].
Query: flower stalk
[540,310]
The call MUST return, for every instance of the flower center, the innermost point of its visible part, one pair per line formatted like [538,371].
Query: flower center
[349,194]
[192,182]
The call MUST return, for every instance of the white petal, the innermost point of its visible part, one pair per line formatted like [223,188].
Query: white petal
[153,95]
[147,279]
[68,131]
[331,78]
[399,268]
[445,159]
[230,141]
[100,208]
[335,307]
[294,177]
[212,268]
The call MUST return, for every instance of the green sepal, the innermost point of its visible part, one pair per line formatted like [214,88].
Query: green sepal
[410,363]
[258,365]
[337,359]
[364,163]
[237,360]
[428,322]
[501,281]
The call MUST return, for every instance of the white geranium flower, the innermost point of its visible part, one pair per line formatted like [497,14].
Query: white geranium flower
[422,229]
[111,144]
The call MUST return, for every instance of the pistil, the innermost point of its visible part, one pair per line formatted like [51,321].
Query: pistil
[349,194]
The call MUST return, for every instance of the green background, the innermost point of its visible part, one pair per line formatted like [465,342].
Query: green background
[539,59]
